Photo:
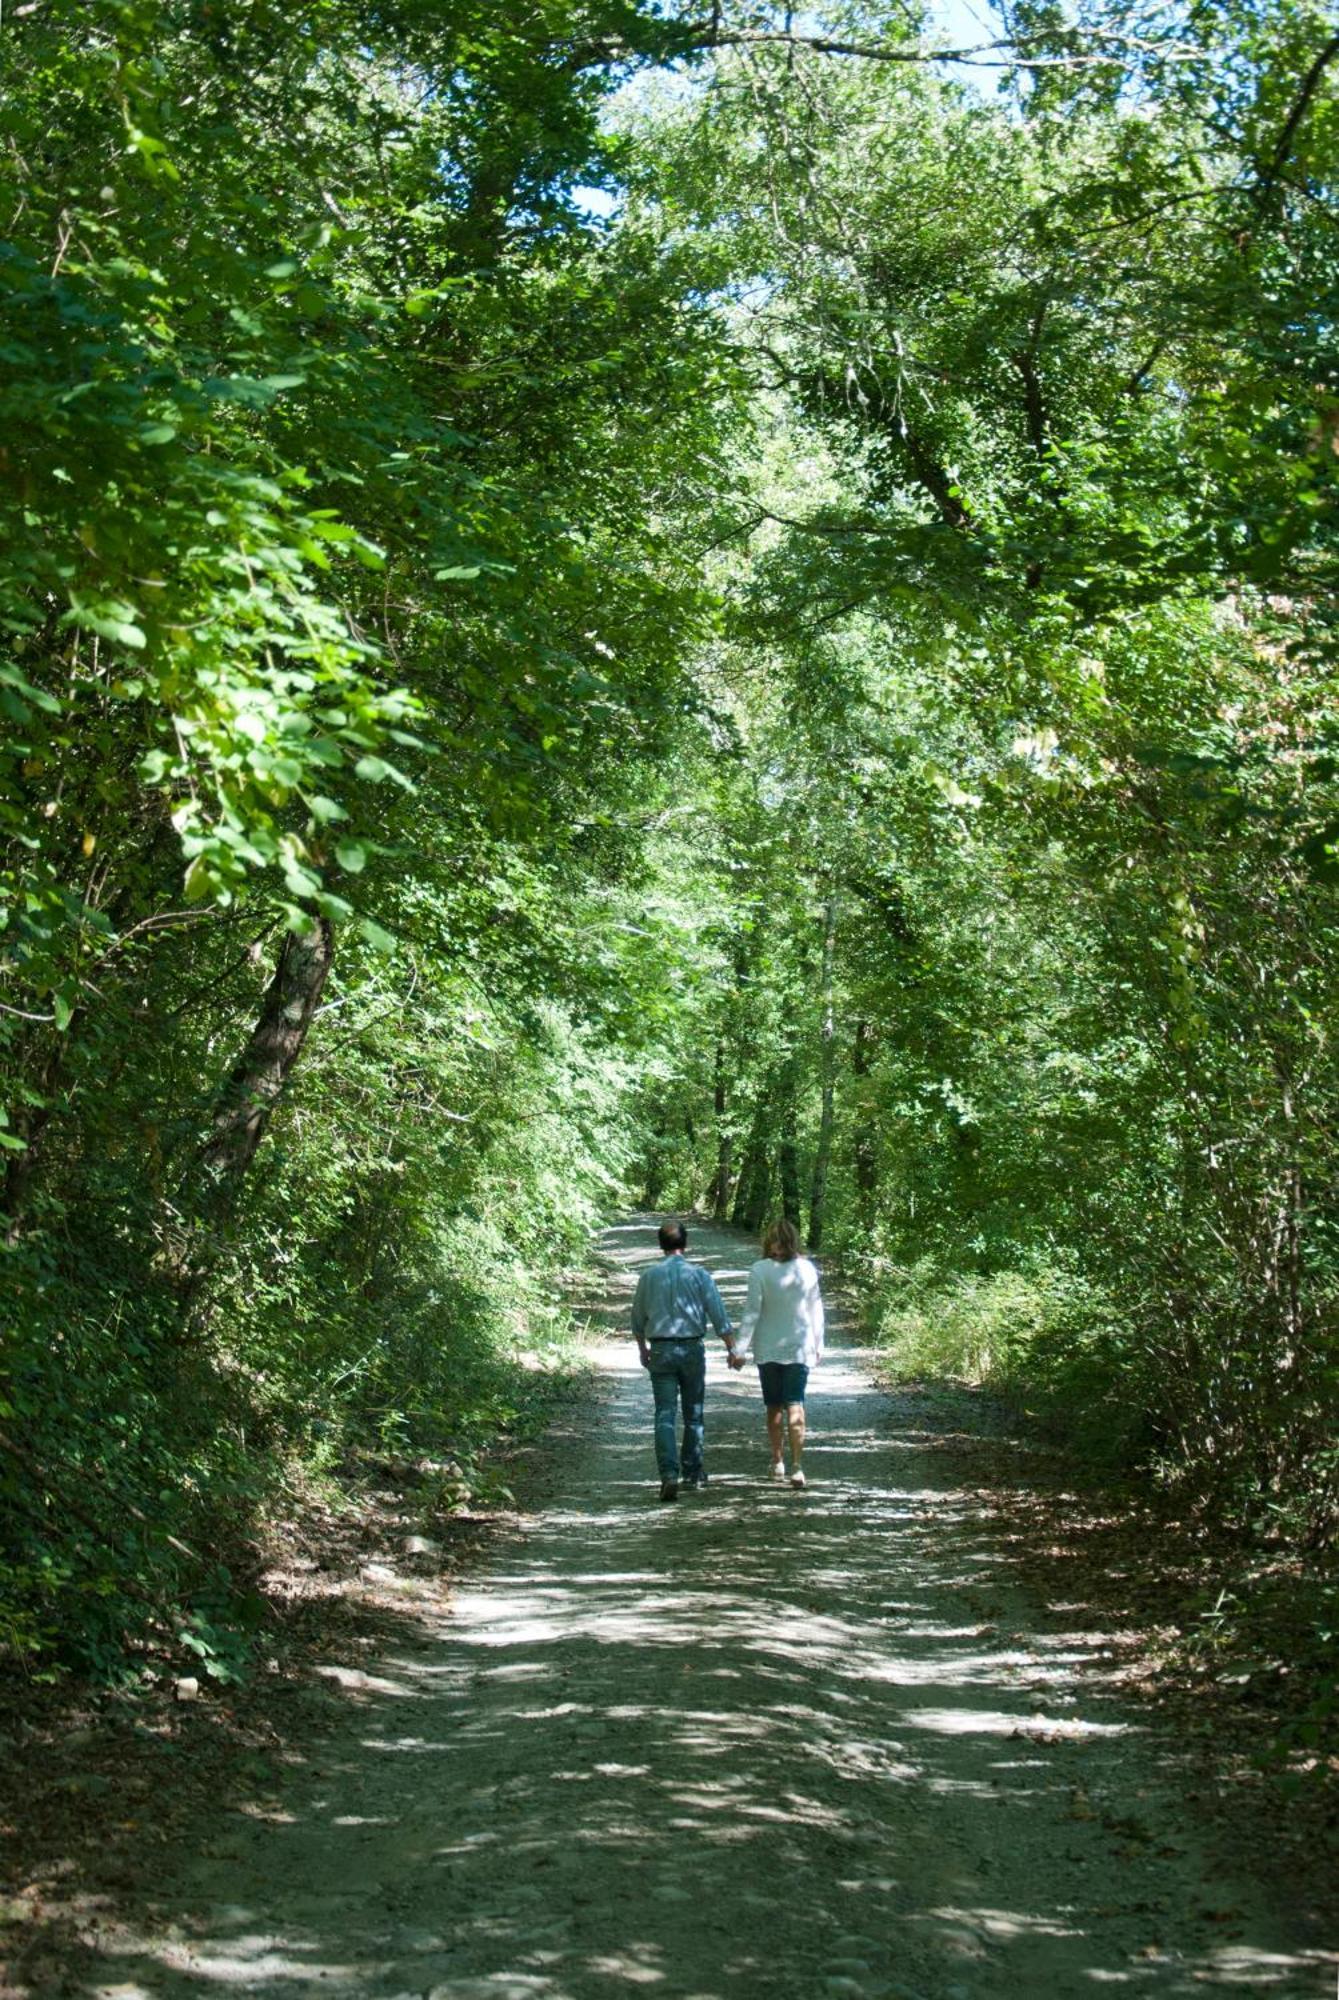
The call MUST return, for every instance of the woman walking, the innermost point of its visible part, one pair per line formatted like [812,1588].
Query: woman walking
[783,1327]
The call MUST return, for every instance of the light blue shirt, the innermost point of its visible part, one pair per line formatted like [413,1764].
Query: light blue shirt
[675,1300]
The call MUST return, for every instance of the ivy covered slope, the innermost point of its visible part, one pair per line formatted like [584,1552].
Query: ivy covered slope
[804,683]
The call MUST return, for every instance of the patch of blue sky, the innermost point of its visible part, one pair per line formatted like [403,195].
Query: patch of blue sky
[949,24]
[598,202]
[968,24]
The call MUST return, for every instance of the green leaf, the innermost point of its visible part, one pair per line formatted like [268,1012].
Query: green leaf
[109,619]
[378,938]
[199,880]
[376,770]
[12,678]
[325,810]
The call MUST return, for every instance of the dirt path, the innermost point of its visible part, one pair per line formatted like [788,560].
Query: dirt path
[759,1743]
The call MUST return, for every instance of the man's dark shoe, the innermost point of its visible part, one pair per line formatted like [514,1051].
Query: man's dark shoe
[696,1479]
[669,1489]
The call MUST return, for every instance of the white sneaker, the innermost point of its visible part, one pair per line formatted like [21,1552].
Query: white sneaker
[797,1478]
[779,1468]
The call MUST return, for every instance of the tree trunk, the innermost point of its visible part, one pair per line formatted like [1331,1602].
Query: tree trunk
[754,1161]
[720,1196]
[866,1171]
[247,1102]
[1288,1258]
[818,1188]
[755,1176]
[482,231]
[787,1153]
[759,1191]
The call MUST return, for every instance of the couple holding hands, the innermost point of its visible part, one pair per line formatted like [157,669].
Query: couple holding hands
[782,1328]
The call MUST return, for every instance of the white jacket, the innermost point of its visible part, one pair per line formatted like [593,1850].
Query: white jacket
[783,1320]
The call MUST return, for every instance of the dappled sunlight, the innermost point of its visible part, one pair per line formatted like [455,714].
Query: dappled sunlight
[353,1679]
[1005,1923]
[646,1735]
[995,1722]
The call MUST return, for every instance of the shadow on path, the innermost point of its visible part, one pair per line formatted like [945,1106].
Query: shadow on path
[759,1742]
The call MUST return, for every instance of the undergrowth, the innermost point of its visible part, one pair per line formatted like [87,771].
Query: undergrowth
[1260,1614]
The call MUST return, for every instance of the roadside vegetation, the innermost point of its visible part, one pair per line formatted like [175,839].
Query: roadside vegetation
[698,604]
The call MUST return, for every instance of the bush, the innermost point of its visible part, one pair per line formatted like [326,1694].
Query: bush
[1041,1335]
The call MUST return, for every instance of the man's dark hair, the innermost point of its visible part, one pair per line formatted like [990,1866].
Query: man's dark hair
[673,1236]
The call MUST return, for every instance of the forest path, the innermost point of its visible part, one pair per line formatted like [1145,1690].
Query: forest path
[758,1743]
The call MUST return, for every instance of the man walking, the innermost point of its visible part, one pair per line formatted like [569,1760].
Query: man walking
[671,1308]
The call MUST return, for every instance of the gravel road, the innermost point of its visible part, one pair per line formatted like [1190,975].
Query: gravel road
[757,1743]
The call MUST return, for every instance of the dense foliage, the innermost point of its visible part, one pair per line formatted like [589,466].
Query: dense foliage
[802,681]
[1043,561]
[343,627]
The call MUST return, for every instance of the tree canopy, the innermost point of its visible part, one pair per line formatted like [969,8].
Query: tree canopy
[703,602]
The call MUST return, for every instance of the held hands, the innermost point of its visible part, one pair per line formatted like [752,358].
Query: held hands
[736,1361]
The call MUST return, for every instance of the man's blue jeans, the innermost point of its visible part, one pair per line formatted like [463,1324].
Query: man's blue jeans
[679,1370]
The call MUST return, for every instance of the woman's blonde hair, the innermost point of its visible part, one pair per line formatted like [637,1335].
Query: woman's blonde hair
[781,1240]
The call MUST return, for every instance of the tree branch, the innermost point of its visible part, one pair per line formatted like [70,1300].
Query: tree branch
[974,56]
[1134,382]
[1034,403]
[695,37]
[815,525]
[1310,85]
